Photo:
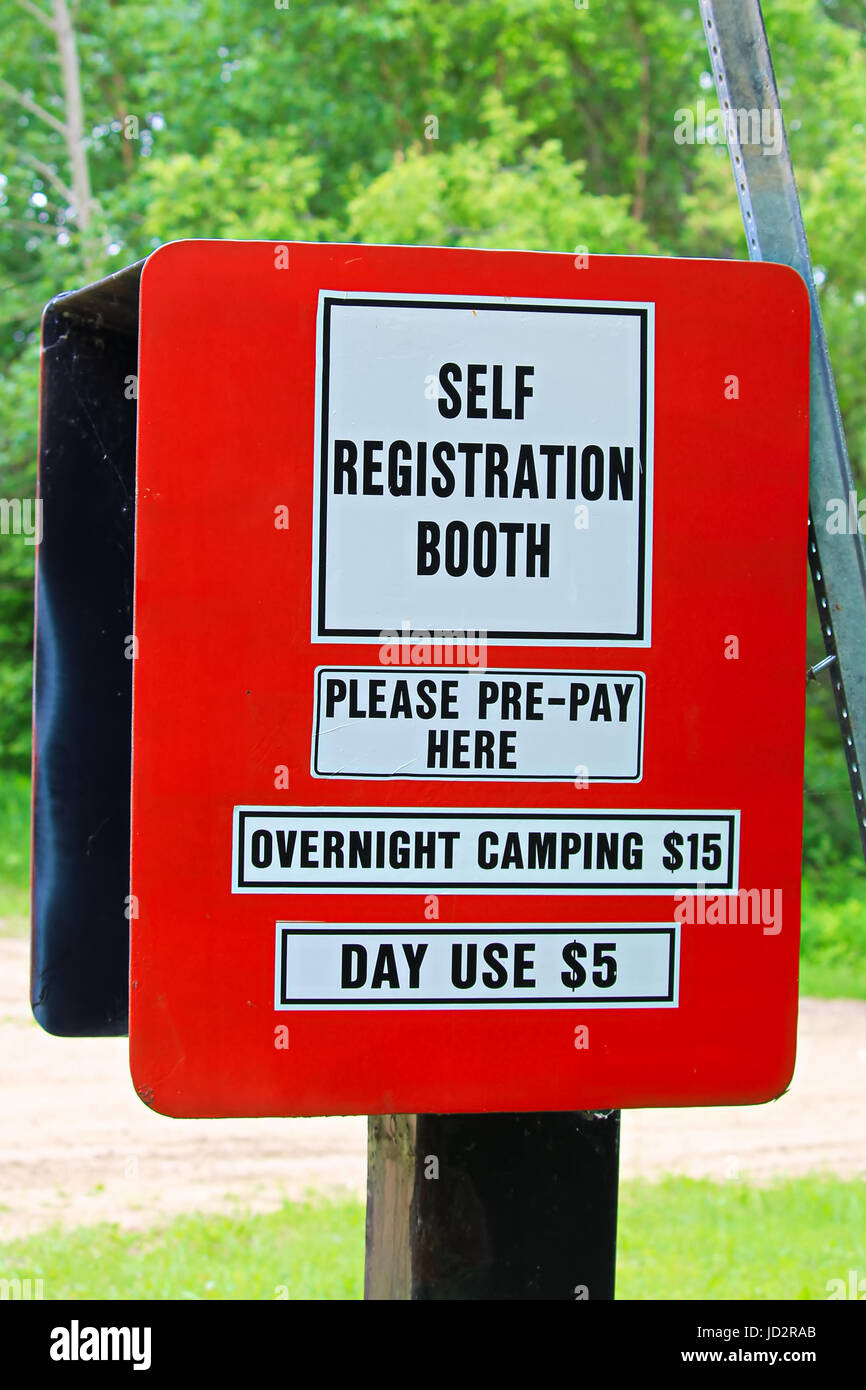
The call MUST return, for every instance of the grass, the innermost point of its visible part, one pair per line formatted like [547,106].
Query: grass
[678,1239]
[687,1239]
[307,1250]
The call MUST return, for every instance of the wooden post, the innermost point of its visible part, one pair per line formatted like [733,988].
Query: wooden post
[512,1207]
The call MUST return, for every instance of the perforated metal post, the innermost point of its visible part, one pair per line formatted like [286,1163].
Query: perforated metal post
[763,172]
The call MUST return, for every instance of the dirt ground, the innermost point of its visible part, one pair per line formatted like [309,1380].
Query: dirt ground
[77,1146]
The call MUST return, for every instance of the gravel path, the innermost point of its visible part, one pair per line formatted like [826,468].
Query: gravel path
[77,1146]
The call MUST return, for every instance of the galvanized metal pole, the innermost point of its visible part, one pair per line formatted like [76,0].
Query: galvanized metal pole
[763,172]
[508,1207]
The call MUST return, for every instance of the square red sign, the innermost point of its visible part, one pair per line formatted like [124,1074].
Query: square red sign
[468,691]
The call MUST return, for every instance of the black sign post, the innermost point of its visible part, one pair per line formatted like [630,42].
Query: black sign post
[506,1207]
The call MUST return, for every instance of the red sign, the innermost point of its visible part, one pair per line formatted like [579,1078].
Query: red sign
[468,697]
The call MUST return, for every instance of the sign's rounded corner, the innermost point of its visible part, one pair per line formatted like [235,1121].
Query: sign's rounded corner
[167,252]
[146,1093]
[781,269]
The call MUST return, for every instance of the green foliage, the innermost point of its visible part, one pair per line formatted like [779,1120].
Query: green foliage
[14,854]
[18,396]
[833,933]
[15,831]
[832,858]
[497,191]
[244,189]
[554,129]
